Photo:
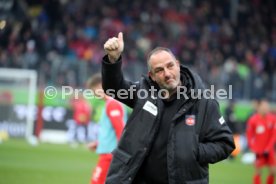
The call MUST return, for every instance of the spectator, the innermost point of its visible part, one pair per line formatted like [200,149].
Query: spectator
[202,34]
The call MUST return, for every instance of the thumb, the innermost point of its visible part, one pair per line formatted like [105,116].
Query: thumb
[120,37]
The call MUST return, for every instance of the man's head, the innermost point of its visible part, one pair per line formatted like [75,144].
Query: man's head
[95,84]
[164,68]
[263,107]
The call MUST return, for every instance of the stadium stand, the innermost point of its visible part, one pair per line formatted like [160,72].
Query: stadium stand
[227,42]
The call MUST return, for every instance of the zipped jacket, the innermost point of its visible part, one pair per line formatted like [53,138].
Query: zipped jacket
[198,134]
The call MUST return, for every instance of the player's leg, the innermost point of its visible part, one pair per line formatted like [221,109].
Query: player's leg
[100,172]
[271,176]
[272,168]
[257,175]
[259,164]
[85,133]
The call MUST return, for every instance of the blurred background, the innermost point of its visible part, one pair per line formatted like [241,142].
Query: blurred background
[60,43]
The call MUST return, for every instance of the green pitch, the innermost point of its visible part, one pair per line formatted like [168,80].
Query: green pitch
[21,163]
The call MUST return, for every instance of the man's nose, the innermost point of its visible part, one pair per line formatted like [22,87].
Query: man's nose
[166,72]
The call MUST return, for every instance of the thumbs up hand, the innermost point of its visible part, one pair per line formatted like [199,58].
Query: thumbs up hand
[114,47]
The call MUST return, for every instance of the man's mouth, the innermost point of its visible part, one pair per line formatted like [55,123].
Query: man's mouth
[169,80]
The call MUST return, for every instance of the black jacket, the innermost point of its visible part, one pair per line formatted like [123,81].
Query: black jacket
[190,148]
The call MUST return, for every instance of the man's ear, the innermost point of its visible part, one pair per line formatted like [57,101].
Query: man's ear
[151,75]
[177,62]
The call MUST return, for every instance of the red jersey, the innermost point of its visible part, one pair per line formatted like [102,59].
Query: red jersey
[81,111]
[261,132]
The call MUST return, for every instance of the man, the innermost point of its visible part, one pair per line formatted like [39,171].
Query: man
[111,126]
[261,136]
[81,115]
[167,139]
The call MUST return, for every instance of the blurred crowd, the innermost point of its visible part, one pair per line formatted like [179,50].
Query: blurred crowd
[227,42]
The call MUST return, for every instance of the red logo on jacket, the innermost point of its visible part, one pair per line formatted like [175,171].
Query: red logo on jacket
[190,120]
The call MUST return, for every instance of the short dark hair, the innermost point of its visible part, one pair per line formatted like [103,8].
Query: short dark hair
[94,80]
[156,50]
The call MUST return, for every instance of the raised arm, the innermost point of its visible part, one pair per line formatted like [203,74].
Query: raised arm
[114,83]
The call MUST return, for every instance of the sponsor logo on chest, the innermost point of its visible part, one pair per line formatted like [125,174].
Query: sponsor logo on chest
[260,129]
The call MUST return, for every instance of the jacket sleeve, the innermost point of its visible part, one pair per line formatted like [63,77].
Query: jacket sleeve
[115,85]
[216,139]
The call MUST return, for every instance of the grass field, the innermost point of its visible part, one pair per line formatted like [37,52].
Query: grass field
[21,163]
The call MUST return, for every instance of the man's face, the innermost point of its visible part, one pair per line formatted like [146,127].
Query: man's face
[264,107]
[165,70]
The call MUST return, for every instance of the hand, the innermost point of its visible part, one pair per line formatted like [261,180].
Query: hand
[114,47]
[92,145]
